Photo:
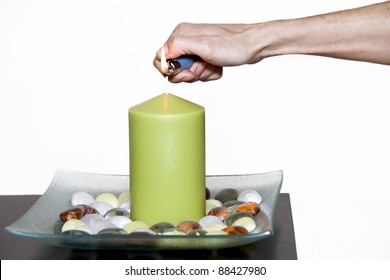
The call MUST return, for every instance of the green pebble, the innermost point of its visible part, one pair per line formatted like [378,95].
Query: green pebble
[229,220]
[73,224]
[108,198]
[246,222]
[212,203]
[214,227]
[125,196]
[135,225]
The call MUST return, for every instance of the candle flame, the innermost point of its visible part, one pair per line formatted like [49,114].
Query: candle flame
[164,64]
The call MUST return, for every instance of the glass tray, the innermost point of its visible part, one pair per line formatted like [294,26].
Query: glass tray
[39,221]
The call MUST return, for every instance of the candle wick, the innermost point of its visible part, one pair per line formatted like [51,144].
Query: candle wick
[167,82]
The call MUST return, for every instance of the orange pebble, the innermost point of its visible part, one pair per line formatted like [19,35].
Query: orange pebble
[188,226]
[236,230]
[221,212]
[251,207]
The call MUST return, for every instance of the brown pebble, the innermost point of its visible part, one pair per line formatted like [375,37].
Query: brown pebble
[77,212]
[208,194]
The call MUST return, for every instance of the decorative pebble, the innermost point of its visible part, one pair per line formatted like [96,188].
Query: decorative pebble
[246,222]
[74,213]
[236,230]
[232,203]
[212,203]
[117,212]
[220,212]
[210,220]
[250,196]
[125,205]
[80,197]
[74,224]
[161,227]
[108,198]
[77,212]
[250,207]
[91,219]
[112,231]
[135,225]
[229,220]
[197,232]
[208,194]
[125,196]
[226,195]
[98,226]
[76,232]
[217,232]
[119,221]
[102,207]
[174,231]
[214,227]
[143,231]
[189,226]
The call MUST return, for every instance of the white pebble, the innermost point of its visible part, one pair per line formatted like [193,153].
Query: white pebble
[144,230]
[125,205]
[91,219]
[217,232]
[210,220]
[98,226]
[80,197]
[102,207]
[250,196]
[174,232]
[119,221]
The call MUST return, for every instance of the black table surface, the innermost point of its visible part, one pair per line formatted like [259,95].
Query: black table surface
[280,246]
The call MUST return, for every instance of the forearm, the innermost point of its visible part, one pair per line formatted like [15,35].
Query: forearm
[358,34]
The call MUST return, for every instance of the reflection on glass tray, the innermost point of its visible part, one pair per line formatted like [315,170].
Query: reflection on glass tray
[38,222]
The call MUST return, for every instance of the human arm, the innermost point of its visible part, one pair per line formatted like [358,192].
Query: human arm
[361,34]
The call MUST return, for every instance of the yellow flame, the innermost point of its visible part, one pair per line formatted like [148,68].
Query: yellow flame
[164,64]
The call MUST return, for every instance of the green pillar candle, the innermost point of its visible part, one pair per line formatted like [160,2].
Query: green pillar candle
[167,160]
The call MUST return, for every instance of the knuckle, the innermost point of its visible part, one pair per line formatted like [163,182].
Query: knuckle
[182,27]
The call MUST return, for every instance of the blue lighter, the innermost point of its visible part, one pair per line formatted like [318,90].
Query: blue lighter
[175,65]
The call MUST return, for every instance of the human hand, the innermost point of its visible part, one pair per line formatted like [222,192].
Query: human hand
[217,45]
[338,34]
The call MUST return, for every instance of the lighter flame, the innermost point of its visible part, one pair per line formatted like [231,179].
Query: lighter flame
[164,64]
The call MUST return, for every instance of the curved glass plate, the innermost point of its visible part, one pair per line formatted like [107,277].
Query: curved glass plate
[39,221]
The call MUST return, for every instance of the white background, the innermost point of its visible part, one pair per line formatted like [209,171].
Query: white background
[69,70]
